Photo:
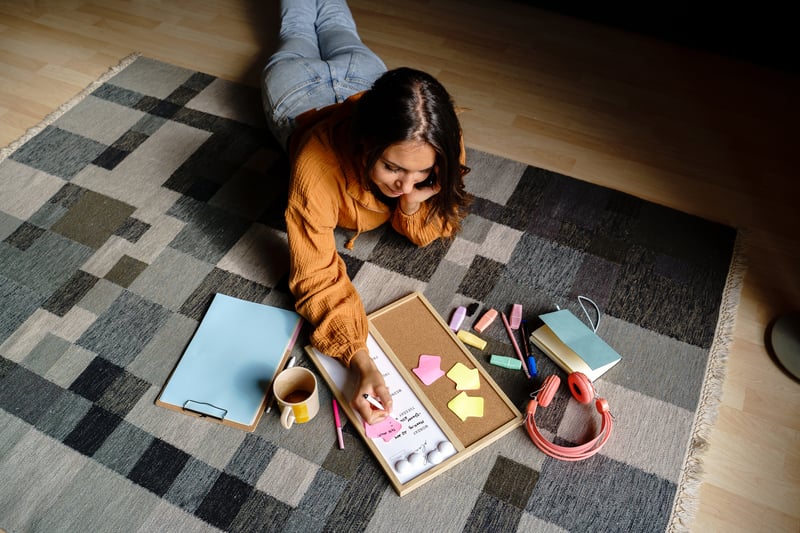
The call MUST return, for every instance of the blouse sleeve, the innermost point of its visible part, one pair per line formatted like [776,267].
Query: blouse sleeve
[318,278]
[417,228]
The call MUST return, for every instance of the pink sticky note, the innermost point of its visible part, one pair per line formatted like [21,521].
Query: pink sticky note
[385,429]
[429,369]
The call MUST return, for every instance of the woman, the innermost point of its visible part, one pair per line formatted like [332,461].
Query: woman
[367,146]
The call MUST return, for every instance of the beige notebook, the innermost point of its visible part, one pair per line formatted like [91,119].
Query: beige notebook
[573,346]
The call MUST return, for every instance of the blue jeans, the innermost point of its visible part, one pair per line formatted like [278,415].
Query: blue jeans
[320,61]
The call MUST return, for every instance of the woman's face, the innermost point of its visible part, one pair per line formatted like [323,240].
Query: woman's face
[401,166]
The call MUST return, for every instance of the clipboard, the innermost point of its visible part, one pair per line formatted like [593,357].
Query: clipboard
[226,371]
[398,334]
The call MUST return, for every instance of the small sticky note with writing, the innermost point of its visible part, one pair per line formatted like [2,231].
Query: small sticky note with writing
[386,429]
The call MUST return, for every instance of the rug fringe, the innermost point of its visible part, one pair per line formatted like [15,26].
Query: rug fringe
[55,115]
[686,501]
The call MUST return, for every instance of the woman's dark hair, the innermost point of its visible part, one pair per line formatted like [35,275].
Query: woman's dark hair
[410,105]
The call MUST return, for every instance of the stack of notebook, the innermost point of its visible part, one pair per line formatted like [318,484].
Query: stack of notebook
[573,346]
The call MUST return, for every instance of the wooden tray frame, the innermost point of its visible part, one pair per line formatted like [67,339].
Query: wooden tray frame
[384,323]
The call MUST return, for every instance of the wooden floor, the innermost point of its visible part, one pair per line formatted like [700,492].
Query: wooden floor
[693,131]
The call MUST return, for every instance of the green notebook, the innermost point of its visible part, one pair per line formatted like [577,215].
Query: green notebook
[573,346]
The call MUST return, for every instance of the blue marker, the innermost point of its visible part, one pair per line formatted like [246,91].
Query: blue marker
[532,366]
[531,360]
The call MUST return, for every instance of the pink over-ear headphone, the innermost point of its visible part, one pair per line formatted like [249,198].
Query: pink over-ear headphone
[583,391]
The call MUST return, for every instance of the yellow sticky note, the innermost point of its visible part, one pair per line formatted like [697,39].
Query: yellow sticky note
[464,378]
[465,406]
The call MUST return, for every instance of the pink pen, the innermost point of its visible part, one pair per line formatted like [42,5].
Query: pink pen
[515,345]
[338,424]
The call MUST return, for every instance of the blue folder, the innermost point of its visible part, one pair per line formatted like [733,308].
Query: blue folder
[227,369]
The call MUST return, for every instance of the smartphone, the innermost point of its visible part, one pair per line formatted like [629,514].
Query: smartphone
[427,183]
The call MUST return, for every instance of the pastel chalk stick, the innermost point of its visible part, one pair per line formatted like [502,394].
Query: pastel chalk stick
[505,362]
[516,316]
[485,320]
[471,339]
[458,317]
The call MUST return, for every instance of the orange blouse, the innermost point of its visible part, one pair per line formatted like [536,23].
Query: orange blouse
[324,193]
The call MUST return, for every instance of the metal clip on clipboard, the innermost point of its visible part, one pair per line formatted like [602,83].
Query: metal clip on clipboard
[205,409]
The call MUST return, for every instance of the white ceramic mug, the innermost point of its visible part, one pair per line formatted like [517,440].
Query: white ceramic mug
[296,392]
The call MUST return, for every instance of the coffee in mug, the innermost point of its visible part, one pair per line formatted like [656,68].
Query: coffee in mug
[295,390]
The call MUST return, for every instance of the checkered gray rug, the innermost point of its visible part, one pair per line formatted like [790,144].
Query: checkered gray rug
[158,187]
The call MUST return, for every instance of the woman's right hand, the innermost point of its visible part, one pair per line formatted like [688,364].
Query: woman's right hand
[371,382]
[411,202]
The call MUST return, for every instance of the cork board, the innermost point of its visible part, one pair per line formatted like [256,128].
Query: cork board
[398,334]
[412,327]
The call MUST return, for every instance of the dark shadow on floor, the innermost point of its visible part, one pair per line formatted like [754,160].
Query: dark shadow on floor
[265,22]
[763,34]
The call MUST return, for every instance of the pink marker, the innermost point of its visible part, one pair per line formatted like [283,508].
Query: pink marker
[484,322]
[338,424]
[516,316]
